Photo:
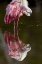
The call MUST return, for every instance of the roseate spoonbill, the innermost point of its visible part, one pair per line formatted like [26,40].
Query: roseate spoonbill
[15,9]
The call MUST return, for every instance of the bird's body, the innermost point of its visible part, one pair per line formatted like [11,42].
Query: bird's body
[15,9]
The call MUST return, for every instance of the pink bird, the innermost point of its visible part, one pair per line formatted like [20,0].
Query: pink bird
[15,47]
[15,9]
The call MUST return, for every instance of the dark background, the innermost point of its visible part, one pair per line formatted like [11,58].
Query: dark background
[31,2]
[30,32]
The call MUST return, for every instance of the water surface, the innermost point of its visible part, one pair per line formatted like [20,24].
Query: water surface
[30,31]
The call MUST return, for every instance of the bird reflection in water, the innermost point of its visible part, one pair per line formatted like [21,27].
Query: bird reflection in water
[16,48]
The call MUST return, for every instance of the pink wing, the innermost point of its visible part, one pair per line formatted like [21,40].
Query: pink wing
[13,11]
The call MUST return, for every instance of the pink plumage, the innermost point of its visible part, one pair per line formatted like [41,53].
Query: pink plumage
[13,11]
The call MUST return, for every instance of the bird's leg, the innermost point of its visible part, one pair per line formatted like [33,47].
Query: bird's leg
[16,29]
[16,34]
